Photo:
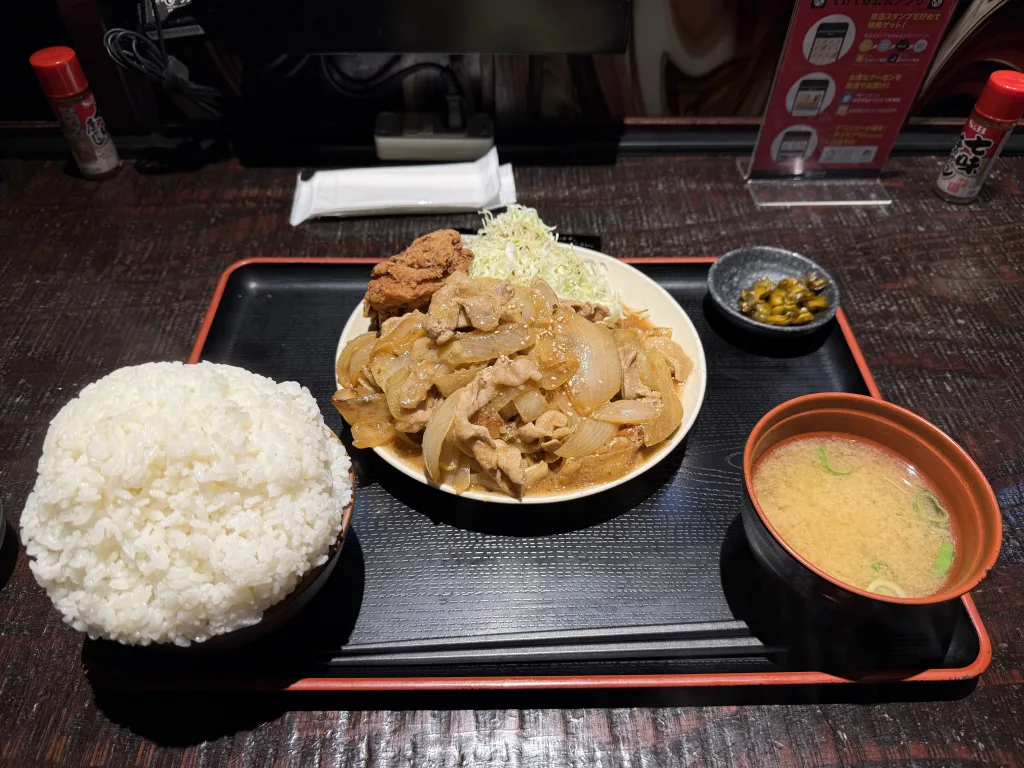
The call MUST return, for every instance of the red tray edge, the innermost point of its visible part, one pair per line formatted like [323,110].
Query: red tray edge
[523,682]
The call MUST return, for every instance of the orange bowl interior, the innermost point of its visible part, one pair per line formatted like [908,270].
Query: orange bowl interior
[974,512]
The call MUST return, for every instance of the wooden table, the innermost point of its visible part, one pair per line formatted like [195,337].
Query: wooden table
[97,276]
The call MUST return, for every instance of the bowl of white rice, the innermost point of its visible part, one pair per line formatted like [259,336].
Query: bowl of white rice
[176,504]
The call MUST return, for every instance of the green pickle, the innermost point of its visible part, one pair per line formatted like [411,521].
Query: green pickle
[790,301]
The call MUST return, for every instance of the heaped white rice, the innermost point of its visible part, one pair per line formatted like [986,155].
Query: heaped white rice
[177,502]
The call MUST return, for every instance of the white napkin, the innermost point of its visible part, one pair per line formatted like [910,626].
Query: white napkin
[445,188]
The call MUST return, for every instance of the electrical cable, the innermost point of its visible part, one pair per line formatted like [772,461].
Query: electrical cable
[455,97]
[362,89]
[383,69]
[137,52]
[272,67]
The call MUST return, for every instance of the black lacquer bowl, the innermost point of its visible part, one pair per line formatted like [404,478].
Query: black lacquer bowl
[974,511]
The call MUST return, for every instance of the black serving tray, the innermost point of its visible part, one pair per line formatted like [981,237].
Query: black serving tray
[648,584]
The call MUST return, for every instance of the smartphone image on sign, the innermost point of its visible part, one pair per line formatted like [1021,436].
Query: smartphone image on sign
[828,42]
[809,97]
[794,144]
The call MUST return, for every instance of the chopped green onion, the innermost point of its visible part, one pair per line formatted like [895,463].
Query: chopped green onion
[929,508]
[823,457]
[885,587]
[944,558]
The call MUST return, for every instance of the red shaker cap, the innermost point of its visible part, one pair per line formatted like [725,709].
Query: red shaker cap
[58,71]
[1003,96]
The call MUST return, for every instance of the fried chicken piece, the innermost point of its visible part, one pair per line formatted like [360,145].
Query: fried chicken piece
[408,280]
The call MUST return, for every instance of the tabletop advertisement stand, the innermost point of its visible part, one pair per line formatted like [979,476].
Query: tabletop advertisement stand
[846,81]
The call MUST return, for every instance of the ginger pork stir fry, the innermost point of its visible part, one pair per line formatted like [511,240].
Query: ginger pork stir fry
[507,387]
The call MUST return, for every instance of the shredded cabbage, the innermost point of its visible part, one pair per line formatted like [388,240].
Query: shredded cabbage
[519,246]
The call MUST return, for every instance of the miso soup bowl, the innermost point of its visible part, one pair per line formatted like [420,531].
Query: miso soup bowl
[974,513]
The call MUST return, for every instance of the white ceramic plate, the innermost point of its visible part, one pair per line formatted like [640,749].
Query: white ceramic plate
[636,291]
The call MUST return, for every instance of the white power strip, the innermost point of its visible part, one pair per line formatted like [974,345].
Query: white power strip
[424,137]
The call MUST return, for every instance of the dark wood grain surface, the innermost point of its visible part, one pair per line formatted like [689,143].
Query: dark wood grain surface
[96,276]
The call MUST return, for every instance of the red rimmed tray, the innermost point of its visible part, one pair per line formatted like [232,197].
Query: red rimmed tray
[282,317]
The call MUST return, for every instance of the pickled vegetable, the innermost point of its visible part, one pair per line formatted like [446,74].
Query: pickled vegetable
[790,301]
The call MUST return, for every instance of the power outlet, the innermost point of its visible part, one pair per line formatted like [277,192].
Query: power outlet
[424,137]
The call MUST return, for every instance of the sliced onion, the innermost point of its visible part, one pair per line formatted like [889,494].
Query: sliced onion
[459,478]
[395,382]
[360,357]
[486,481]
[629,411]
[672,410]
[595,467]
[436,431]
[647,333]
[423,349]
[635,319]
[590,437]
[530,404]
[384,365]
[454,466]
[360,410]
[678,360]
[343,370]
[397,345]
[624,336]
[449,458]
[503,396]
[643,365]
[535,473]
[525,297]
[449,382]
[368,434]
[599,377]
[479,347]
[408,328]
[556,363]
[647,375]
[556,376]
[378,367]
[544,297]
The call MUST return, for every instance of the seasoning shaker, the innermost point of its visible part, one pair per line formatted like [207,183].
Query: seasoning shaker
[64,85]
[985,133]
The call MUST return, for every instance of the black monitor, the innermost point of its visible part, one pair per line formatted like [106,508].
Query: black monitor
[417,26]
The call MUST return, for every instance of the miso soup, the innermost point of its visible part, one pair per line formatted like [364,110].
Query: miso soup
[858,512]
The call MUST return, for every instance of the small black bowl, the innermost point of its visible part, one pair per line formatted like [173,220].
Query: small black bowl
[739,269]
